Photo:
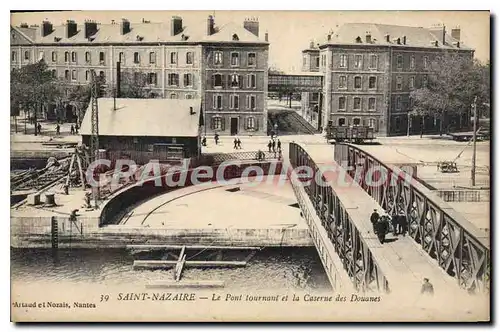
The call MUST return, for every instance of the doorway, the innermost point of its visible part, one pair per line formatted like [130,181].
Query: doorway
[234,126]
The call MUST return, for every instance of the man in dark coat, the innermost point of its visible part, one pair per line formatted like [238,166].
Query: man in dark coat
[403,225]
[381,228]
[270,145]
[374,218]
[427,287]
[274,146]
[279,145]
[235,143]
[395,224]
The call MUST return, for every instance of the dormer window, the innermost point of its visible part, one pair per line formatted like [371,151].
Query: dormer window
[235,37]
[359,40]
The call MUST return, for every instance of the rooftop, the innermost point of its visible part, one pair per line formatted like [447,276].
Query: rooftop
[143,32]
[385,35]
[145,117]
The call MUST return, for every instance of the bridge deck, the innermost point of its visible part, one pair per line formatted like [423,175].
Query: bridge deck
[403,263]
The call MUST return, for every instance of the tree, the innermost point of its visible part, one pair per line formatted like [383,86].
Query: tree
[452,84]
[32,86]
[136,84]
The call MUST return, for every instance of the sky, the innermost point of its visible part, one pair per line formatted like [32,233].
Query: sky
[291,31]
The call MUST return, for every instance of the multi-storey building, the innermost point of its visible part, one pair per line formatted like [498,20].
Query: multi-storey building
[370,69]
[225,67]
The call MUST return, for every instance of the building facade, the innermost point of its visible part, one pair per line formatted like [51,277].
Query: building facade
[370,70]
[225,67]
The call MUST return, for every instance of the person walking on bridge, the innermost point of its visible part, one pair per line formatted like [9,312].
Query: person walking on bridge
[235,143]
[374,218]
[269,145]
[427,288]
[279,145]
[381,228]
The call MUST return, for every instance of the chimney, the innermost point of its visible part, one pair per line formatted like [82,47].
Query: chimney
[455,33]
[175,25]
[404,40]
[210,25]
[329,37]
[388,38]
[46,28]
[125,26]
[368,38]
[266,37]
[90,28]
[252,25]
[311,45]
[71,28]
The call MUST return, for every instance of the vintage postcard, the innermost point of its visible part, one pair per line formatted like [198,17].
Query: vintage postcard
[225,166]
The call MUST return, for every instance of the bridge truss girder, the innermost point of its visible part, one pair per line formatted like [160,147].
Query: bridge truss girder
[459,251]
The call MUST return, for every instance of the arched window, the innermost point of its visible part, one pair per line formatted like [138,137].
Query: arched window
[26,55]
[356,121]
[217,81]
[66,56]
[341,122]
[73,56]
[152,57]
[173,96]
[88,58]
[189,58]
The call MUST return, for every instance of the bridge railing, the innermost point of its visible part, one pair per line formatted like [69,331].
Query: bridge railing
[351,248]
[460,248]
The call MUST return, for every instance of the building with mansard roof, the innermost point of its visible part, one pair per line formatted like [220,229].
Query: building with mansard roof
[225,67]
[369,71]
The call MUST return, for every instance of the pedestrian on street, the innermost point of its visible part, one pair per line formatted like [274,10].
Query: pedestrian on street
[274,146]
[235,143]
[39,128]
[403,224]
[427,288]
[381,228]
[269,145]
[374,218]
[58,129]
[216,138]
[279,145]
[72,130]
[76,128]
[204,141]
[239,143]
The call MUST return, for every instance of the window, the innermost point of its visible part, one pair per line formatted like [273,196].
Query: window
[66,74]
[66,56]
[217,58]
[235,81]
[217,121]
[426,62]
[14,56]
[399,83]
[189,96]
[54,56]
[357,103]
[217,81]
[173,58]
[189,58]
[234,102]
[317,61]
[399,61]
[87,57]
[341,122]
[343,61]
[372,82]
[152,57]
[250,123]
[323,60]
[304,61]
[371,123]
[173,79]
[73,75]
[412,82]
[373,61]
[412,62]
[235,59]
[152,78]
[341,103]
[412,102]
[54,73]
[357,82]
[398,102]
[173,96]
[188,80]
[251,102]
[121,57]
[358,61]
[342,82]
[217,102]
[137,58]
[251,59]
[424,82]
[251,81]
[356,121]
[371,104]
[73,56]
[87,75]
[101,58]
[26,55]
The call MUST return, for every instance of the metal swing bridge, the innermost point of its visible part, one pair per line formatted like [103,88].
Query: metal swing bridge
[441,244]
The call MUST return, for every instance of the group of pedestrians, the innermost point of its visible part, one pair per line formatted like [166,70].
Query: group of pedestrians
[274,145]
[237,143]
[382,224]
